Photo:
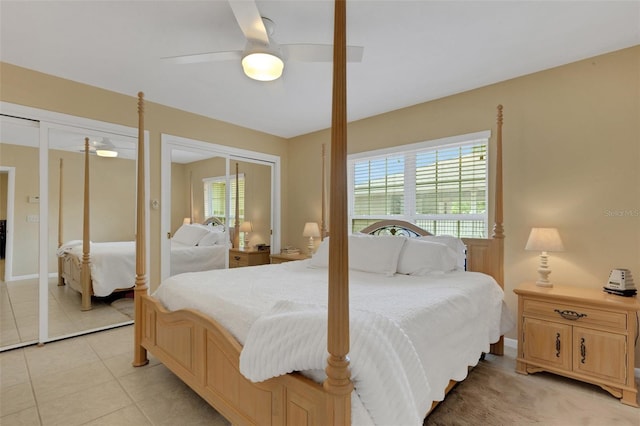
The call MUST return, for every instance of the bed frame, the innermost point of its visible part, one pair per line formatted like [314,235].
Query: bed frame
[74,271]
[206,356]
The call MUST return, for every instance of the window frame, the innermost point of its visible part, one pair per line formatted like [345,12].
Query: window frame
[409,214]
[208,204]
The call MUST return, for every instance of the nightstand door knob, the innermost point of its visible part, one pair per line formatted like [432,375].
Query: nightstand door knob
[583,350]
[236,258]
[557,345]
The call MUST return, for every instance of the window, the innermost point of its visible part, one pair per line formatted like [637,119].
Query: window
[440,186]
[215,196]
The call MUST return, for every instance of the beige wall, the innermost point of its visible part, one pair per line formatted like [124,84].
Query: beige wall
[26,87]
[571,155]
[571,160]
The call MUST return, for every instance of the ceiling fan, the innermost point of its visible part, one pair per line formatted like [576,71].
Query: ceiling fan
[103,147]
[263,58]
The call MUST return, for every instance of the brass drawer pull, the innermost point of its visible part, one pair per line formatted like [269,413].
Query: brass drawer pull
[237,258]
[570,315]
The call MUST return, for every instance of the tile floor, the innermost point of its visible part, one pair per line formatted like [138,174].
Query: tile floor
[89,380]
[19,312]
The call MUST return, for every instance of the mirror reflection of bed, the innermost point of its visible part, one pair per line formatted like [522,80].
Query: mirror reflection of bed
[112,221]
[198,193]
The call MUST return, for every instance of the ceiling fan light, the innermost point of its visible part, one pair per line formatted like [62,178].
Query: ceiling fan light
[262,66]
[106,153]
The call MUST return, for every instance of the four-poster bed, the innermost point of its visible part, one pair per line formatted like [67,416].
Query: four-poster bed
[204,350]
[102,268]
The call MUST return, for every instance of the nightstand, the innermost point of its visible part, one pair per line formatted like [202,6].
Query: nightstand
[581,333]
[239,257]
[283,257]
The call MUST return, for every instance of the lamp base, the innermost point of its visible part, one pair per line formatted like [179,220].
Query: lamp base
[544,271]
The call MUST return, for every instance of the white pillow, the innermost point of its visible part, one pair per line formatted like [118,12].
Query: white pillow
[212,238]
[369,253]
[189,234]
[455,244]
[420,257]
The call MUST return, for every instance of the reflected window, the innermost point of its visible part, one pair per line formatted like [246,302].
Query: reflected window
[215,196]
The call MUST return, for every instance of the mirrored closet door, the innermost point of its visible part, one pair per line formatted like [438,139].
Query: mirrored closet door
[199,182]
[42,192]
[19,216]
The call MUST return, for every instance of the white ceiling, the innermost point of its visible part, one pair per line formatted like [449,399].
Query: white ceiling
[414,51]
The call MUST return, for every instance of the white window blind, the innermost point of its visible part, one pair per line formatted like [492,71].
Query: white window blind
[441,187]
[215,196]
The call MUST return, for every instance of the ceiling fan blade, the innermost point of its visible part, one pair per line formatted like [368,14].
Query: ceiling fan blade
[318,52]
[250,20]
[204,57]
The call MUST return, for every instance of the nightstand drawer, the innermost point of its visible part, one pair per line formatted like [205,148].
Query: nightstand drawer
[574,314]
[237,260]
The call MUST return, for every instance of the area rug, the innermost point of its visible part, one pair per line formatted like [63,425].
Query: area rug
[488,396]
[124,306]
[492,396]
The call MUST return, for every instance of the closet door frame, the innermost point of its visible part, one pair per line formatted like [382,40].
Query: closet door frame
[171,142]
[50,120]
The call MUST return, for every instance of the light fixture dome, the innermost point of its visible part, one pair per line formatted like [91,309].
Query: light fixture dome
[262,66]
[106,153]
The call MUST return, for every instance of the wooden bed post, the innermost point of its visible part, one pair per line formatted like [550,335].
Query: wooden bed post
[85,272]
[139,352]
[60,239]
[338,382]
[236,225]
[498,231]
[323,224]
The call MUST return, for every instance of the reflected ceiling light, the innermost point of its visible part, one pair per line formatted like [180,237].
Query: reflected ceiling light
[106,153]
[262,66]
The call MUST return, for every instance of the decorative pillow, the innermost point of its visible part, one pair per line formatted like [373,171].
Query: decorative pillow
[368,253]
[420,257]
[213,237]
[455,244]
[189,234]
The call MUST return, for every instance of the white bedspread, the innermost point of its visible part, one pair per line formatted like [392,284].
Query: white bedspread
[113,264]
[409,335]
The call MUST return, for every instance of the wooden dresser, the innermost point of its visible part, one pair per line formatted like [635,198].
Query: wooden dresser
[581,333]
[239,257]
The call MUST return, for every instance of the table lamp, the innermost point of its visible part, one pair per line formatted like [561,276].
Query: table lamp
[544,240]
[311,229]
[246,227]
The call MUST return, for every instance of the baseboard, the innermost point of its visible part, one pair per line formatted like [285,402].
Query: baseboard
[23,277]
[511,343]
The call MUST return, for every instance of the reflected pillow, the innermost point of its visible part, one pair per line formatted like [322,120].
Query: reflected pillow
[421,257]
[189,234]
[213,237]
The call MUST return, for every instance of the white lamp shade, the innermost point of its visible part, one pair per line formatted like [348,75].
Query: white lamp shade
[246,226]
[262,66]
[544,239]
[311,229]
